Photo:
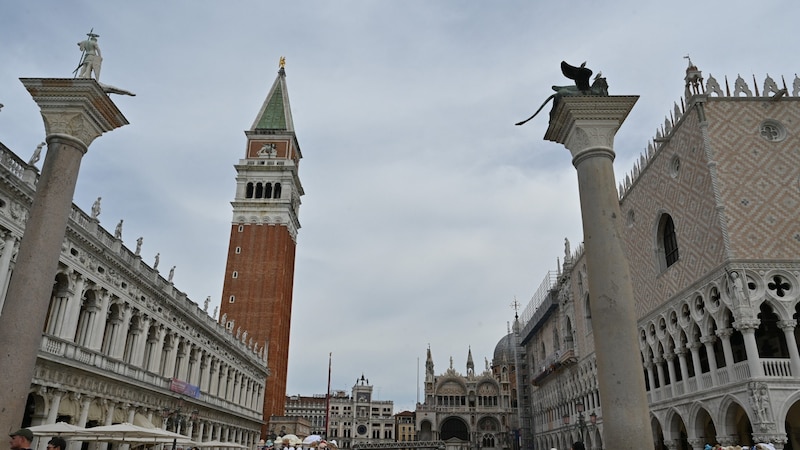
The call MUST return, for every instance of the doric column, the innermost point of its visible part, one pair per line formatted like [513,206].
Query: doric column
[85,402]
[586,125]
[223,381]
[670,360]
[121,334]
[111,406]
[77,283]
[698,367]
[651,378]
[55,403]
[659,362]
[5,264]
[169,359]
[748,329]
[205,368]
[711,355]
[724,335]
[213,380]
[158,346]
[681,352]
[788,332]
[229,385]
[141,341]
[99,324]
[237,386]
[58,305]
[200,431]
[195,358]
[183,370]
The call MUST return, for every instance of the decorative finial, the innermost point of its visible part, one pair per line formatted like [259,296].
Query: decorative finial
[515,306]
[282,62]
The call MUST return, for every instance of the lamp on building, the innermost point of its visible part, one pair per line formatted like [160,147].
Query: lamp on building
[581,419]
[177,417]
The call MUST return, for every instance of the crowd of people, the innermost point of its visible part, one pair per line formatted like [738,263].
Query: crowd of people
[759,446]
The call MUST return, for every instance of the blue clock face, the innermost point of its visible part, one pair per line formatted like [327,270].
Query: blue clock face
[362,429]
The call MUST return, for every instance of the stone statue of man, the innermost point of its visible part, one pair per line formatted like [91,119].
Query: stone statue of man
[96,208]
[92,60]
[36,154]
[118,230]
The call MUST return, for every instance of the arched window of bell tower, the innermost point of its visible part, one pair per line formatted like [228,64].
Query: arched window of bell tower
[259,190]
[268,190]
[249,191]
[277,193]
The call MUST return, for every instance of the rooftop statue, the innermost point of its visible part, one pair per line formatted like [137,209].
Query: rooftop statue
[581,76]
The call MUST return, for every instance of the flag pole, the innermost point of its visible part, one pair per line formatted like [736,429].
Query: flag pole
[328,399]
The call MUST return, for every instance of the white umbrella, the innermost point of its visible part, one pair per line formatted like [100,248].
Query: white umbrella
[58,428]
[125,432]
[311,439]
[291,438]
[220,444]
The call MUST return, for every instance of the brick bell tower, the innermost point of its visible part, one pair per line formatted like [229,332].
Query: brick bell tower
[257,292]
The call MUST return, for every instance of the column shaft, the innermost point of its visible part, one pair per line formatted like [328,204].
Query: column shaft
[35,269]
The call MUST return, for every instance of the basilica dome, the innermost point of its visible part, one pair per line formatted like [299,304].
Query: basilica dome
[503,351]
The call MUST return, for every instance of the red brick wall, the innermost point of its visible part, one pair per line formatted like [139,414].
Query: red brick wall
[262,302]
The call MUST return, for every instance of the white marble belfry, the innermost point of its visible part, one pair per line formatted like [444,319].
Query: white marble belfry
[75,112]
[586,125]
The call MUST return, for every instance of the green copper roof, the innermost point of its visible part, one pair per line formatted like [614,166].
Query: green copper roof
[274,116]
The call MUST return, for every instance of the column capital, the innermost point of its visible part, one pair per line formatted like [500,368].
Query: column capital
[747,325]
[588,122]
[787,325]
[708,340]
[74,107]
[724,332]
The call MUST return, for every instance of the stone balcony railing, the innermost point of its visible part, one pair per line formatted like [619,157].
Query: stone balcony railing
[61,350]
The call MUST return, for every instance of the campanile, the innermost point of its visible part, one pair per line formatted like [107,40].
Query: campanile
[257,292]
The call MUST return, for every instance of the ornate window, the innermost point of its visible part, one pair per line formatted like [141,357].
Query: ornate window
[772,131]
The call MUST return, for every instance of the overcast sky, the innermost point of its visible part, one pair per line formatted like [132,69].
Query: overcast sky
[427,212]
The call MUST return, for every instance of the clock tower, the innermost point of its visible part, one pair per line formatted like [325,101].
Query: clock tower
[259,276]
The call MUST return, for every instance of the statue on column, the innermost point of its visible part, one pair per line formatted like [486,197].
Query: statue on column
[736,288]
[581,77]
[91,60]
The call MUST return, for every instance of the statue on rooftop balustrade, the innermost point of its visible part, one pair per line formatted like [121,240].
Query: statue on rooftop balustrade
[581,76]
